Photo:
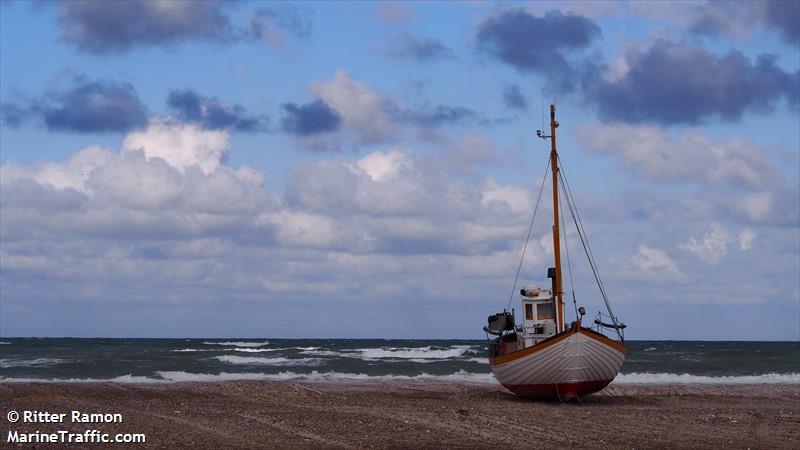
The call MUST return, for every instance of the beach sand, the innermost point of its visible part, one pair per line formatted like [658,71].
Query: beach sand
[267,414]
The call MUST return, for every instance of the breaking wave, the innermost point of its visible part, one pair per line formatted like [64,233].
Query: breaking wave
[238,343]
[418,353]
[685,378]
[120,379]
[38,362]
[5,343]
[315,376]
[460,376]
[280,361]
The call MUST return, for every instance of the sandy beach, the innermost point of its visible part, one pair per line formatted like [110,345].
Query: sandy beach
[266,414]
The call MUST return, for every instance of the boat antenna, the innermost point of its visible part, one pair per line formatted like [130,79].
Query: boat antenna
[542,110]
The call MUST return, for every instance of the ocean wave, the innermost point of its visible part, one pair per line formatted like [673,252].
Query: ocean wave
[120,379]
[479,360]
[238,343]
[410,353]
[280,361]
[650,349]
[38,362]
[323,353]
[460,376]
[199,350]
[256,350]
[5,343]
[685,378]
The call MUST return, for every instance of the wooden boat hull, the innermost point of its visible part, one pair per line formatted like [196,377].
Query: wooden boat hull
[572,364]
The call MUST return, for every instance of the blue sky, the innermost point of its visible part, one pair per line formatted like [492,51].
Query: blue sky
[362,169]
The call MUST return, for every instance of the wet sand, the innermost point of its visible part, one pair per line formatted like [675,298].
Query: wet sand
[265,414]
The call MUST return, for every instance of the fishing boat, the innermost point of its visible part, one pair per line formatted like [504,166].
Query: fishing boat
[544,357]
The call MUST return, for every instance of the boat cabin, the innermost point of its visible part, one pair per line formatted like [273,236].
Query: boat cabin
[538,313]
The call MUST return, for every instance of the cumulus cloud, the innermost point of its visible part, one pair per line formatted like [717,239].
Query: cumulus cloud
[348,112]
[652,153]
[537,44]
[211,113]
[82,106]
[272,24]
[654,265]
[421,49]
[363,111]
[711,247]
[672,83]
[312,118]
[737,19]
[104,27]
[181,145]
[169,210]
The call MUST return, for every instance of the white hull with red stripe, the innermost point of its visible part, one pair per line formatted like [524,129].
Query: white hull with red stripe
[575,363]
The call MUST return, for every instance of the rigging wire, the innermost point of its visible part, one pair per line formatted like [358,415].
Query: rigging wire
[569,265]
[586,247]
[530,228]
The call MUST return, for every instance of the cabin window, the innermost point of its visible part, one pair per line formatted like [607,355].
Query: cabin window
[544,311]
[528,311]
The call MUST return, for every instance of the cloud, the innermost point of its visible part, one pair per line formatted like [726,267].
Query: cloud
[435,116]
[312,118]
[363,111]
[352,114]
[166,223]
[654,265]
[271,24]
[513,97]
[785,16]
[737,19]
[746,238]
[85,106]
[537,44]
[210,113]
[650,152]
[421,49]
[678,84]
[711,247]
[182,146]
[111,27]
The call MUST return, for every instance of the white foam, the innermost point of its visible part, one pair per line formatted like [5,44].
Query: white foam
[238,343]
[685,378]
[460,376]
[650,349]
[120,379]
[280,361]
[5,343]
[479,360]
[411,353]
[257,350]
[323,353]
[38,362]
[199,350]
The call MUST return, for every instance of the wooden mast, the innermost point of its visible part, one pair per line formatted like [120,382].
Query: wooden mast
[559,294]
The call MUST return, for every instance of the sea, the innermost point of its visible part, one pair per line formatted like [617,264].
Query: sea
[322,360]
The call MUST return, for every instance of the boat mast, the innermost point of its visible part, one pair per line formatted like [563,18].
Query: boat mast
[559,294]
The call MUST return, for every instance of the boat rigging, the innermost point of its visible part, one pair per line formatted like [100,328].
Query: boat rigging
[543,357]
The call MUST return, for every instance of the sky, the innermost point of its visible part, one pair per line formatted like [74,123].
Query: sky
[369,170]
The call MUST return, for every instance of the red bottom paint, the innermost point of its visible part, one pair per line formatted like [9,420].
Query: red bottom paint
[562,391]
